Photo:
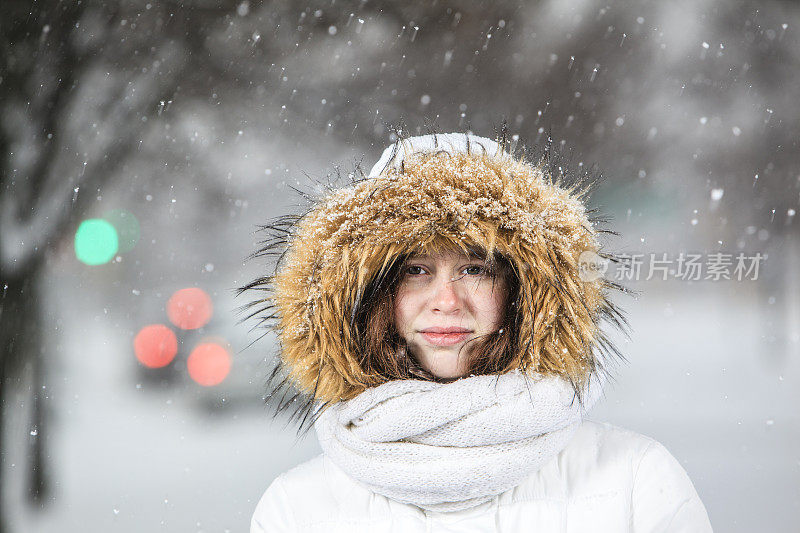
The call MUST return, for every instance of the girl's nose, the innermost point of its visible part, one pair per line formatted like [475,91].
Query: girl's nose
[446,297]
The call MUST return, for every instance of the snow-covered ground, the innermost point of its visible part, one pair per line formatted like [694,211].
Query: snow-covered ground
[703,378]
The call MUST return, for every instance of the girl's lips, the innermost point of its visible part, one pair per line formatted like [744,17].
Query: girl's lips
[445,339]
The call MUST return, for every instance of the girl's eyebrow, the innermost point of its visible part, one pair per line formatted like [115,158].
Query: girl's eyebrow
[428,258]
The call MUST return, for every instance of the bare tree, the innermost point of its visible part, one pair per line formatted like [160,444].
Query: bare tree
[79,83]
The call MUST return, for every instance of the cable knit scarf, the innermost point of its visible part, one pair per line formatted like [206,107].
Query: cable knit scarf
[448,447]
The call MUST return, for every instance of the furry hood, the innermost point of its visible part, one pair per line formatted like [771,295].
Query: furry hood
[469,191]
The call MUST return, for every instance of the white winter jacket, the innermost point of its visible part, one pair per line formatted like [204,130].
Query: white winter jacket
[607,479]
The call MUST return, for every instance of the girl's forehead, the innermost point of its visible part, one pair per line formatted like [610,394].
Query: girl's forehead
[474,253]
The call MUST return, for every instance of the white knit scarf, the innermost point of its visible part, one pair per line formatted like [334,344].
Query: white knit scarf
[448,447]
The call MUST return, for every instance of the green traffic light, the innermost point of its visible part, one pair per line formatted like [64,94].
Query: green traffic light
[96,242]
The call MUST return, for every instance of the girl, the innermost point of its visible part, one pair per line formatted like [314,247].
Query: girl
[436,321]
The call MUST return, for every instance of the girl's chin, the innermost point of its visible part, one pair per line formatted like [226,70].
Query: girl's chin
[442,364]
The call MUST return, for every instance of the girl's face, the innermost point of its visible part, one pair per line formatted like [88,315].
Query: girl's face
[443,302]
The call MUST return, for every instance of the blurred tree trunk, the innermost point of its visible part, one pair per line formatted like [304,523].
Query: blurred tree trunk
[21,344]
[40,66]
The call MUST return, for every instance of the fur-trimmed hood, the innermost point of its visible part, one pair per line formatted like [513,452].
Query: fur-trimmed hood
[469,191]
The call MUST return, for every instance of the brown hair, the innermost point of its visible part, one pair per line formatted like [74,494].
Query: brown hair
[383,353]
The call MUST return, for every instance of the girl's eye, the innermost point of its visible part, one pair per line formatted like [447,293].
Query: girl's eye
[471,270]
[475,270]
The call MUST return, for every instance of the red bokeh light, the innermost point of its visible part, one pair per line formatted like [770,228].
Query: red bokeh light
[190,308]
[155,346]
[209,364]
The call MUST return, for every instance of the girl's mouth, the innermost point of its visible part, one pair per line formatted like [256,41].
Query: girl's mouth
[445,339]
